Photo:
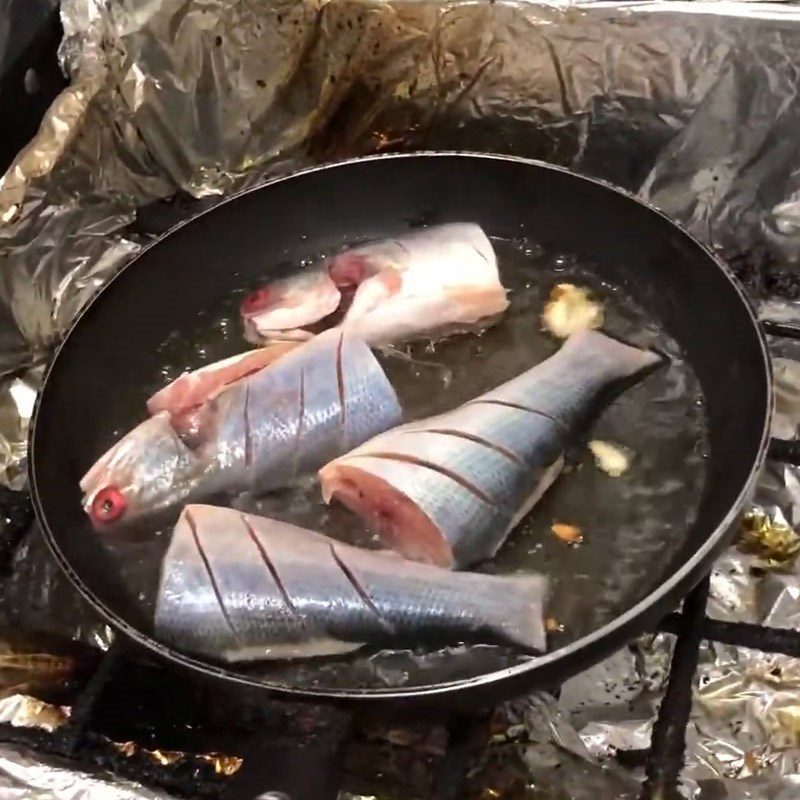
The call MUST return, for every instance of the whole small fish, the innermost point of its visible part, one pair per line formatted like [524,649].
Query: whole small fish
[236,587]
[432,281]
[256,434]
[447,490]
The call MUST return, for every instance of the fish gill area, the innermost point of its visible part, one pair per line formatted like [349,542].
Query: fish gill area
[628,529]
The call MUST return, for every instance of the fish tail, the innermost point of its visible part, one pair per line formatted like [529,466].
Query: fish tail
[607,351]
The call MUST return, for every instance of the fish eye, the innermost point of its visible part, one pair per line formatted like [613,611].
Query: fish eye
[109,504]
[255,301]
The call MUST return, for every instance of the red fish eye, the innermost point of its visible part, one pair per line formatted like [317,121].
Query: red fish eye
[256,301]
[109,504]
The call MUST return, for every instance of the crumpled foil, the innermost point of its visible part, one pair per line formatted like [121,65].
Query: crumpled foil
[51,667]
[693,104]
[24,774]
[743,738]
[28,776]
[22,710]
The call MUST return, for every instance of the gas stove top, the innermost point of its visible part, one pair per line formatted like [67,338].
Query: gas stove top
[188,736]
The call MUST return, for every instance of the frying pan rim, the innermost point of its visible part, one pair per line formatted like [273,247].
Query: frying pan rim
[677,582]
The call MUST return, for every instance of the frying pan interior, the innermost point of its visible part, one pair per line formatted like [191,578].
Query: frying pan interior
[97,383]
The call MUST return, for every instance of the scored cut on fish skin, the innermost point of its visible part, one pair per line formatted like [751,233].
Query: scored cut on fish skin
[237,587]
[320,400]
[258,434]
[565,386]
[190,389]
[448,490]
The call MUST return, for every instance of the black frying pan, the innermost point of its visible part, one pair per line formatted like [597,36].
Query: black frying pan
[647,545]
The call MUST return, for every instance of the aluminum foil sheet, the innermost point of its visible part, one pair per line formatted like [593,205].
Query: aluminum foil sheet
[27,776]
[694,104]
[24,774]
[743,739]
[48,666]
[25,711]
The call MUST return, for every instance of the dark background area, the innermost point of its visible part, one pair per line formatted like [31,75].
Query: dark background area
[30,32]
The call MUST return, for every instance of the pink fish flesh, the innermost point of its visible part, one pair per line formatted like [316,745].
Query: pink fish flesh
[191,389]
[448,490]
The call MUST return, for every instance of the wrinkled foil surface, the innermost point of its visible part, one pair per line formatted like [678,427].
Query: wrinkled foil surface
[27,776]
[695,105]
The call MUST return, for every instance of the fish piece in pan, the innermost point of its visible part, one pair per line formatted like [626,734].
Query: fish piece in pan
[192,389]
[447,490]
[429,282]
[257,434]
[237,587]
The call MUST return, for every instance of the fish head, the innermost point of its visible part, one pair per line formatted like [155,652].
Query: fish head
[149,471]
[291,304]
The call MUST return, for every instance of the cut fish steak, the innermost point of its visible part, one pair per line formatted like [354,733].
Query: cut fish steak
[236,587]
[447,490]
[432,281]
[257,434]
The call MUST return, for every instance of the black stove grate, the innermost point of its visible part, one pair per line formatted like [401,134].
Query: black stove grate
[289,747]
[299,749]
[691,627]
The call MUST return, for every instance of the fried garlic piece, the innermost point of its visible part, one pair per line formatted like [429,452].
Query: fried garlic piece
[610,458]
[571,309]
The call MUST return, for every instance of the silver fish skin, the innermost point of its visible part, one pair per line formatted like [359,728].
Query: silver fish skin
[315,403]
[257,434]
[449,489]
[235,587]
[567,386]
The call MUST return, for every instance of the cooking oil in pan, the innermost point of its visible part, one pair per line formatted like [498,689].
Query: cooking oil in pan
[623,532]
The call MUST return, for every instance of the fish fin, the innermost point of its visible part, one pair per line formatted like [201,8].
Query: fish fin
[259,338]
[478,302]
[316,647]
[372,292]
[295,302]
[390,351]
